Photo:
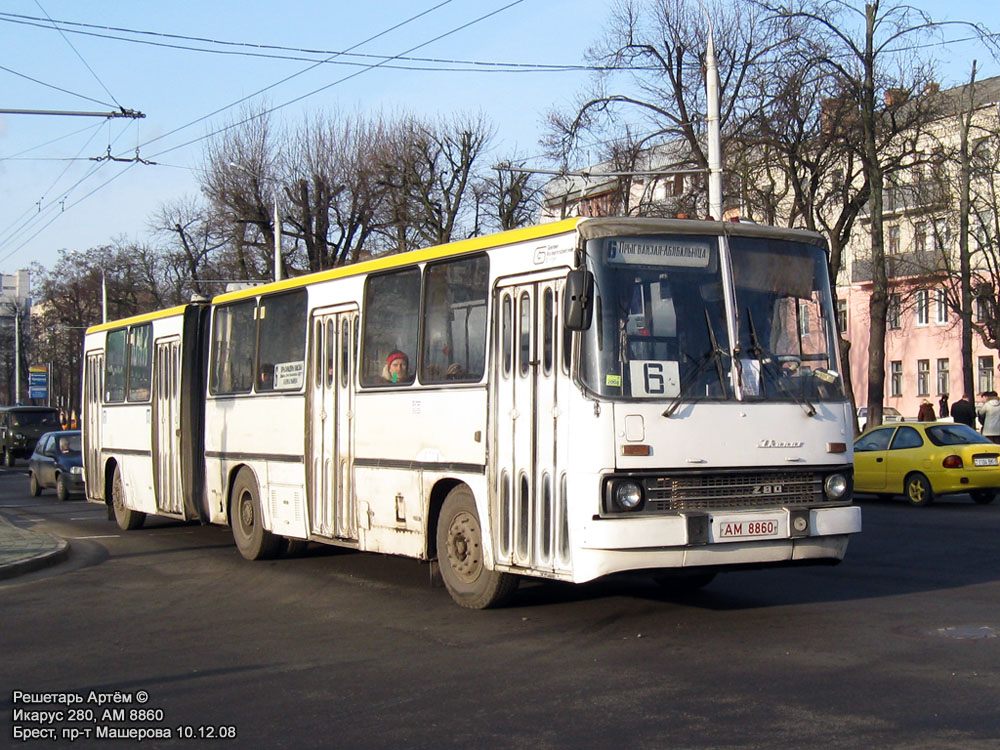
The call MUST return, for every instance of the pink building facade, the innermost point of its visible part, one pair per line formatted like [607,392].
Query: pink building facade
[923,357]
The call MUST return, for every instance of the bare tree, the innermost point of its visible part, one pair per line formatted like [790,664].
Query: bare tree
[241,182]
[652,75]
[871,53]
[511,198]
[192,242]
[429,179]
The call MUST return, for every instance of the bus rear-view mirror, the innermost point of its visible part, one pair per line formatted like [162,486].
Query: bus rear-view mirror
[578,300]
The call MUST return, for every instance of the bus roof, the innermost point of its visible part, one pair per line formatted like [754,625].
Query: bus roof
[589,227]
[145,317]
[450,249]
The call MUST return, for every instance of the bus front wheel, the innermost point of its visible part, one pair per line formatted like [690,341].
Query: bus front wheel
[127,519]
[252,540]
[460,556]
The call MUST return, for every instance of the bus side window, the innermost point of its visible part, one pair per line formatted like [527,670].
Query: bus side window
[391,314]
[140,362]
[281,341]
[234,347]
[454,331]
[115,366]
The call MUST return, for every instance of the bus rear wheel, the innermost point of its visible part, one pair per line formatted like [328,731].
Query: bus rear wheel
[460,556]
[126,518]
[252,540]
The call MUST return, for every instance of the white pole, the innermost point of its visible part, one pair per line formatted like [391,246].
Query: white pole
[17,353]
[714,133]
[104,298]
[277,241]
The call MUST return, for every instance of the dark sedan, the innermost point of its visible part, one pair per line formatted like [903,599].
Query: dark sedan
[57,463]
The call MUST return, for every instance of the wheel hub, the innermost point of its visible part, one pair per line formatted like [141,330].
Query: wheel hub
[464,547]
[246,513]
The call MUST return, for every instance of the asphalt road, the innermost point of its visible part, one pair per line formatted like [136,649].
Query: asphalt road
[894,648]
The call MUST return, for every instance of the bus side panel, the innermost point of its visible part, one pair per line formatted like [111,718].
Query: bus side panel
[127,436]
[406,441]
[266,433]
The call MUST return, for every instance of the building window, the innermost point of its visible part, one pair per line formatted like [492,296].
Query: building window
[985,374]
[892,315]
[842,315]
[942,235]
[923,377]
[803,319]
[920,310]
[941,297]
[896,378]
[943,377]
[920,236]
[892,240]
[980,309]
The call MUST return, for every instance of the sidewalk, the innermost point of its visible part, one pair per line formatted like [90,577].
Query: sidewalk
[22,551]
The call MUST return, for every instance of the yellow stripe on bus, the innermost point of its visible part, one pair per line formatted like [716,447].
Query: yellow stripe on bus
[461,247]
[168,313]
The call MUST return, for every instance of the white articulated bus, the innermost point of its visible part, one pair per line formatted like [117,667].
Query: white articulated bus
[563,401]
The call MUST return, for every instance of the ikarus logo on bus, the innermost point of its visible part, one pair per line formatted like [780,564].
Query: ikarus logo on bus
[780,444]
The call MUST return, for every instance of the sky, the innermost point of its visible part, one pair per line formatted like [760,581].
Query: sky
[56,194]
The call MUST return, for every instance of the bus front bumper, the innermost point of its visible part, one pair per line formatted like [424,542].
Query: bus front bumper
[724,538]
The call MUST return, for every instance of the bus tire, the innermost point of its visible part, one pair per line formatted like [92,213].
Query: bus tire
[460,556]
[252,540]
[126,518]
[36,488]
[918,490]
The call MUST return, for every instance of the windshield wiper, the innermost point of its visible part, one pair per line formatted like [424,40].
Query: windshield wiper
[714,354]
[768,366]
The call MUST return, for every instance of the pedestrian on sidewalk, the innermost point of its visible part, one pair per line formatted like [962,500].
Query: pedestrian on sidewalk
[943,406]
[963,412]
[989,413]
[926,412]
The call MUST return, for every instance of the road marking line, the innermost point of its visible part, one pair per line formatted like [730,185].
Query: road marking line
[106,536]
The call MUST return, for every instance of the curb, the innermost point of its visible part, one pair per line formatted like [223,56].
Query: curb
[54,552]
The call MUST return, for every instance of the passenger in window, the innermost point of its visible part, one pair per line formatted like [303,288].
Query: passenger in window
[397,368]
[265,377]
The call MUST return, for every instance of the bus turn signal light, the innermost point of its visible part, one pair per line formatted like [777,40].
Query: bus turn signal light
[636,450]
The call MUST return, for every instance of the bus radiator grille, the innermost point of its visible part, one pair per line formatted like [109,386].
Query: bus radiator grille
[737,490]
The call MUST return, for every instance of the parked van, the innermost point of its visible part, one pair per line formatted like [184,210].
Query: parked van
[20,428]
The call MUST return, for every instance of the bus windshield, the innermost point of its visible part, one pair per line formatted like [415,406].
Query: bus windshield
[787,348]
[661,321]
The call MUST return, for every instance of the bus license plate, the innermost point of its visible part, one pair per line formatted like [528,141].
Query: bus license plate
[985,461]
[744,528]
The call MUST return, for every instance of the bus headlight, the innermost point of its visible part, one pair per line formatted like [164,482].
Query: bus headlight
[835,486]
[628,495]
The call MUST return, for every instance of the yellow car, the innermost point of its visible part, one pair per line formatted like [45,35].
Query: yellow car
[924,459]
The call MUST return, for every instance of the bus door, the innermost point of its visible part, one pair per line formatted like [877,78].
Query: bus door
[332,505]
[93,397]
[167,426]
[529,439]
